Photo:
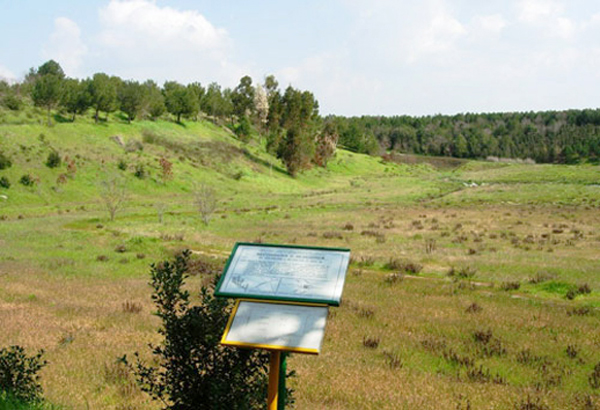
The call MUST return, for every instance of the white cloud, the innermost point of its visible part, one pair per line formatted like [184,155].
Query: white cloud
[536,11]
[152,26]
[7,75]
[65,46]
[493,23]
[165,43]
[547,15]
[439,35]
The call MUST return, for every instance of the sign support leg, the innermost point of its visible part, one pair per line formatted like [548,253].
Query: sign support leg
[273,394]
[282,374]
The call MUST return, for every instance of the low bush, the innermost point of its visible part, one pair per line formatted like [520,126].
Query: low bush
[53,160]
[4,182]
[514,285]
[19,377]
[5,162]
[191,369]
[403,266]
[463,272]
[371,342]
[27,180]
[594,378]
[140,171]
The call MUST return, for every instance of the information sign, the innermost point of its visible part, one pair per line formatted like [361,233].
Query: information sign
[288,273]
[277,326]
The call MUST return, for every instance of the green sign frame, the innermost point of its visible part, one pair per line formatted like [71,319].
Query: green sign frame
[293,273]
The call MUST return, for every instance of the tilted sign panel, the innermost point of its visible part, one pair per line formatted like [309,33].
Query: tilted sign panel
[285,273]
[277,326]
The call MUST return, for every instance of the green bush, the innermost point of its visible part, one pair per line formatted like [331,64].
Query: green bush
[195,371]
[18,374]
[243,130]
[122,165]
[53,160]
[12,102]
[7,402]
[27,180]
[140,171]
[4,161]
[4,182]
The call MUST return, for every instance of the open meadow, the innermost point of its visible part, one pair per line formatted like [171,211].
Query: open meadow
[473,285]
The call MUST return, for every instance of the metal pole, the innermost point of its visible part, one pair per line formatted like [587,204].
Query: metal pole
[282,375]
[272,398]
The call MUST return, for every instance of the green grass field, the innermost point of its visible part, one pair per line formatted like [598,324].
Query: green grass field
[514,326]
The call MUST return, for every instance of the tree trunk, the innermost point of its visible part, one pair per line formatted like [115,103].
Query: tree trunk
[49,118]
[96,116]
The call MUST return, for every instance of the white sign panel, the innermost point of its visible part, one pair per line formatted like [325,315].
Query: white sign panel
[285,273]
[296,328]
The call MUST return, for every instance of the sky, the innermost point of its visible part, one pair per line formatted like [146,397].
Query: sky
[358,57]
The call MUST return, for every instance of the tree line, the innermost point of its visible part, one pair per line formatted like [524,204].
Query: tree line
[568,136]
[288,120]
[294,131]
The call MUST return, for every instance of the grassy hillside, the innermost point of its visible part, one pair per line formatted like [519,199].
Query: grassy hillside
[474,284]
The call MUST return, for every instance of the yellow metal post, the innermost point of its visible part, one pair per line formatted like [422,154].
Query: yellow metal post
[273,380]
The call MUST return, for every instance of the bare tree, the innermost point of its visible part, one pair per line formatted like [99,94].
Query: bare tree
[205,199]
[161,208]
[113,194]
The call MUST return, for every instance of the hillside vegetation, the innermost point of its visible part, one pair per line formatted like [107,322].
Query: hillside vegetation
[473,284]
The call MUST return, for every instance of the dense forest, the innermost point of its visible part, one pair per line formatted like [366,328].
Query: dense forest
[551,136]
[289,123]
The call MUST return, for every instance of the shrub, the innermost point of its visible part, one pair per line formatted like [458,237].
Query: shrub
[473,308]
[166,169]
[464,272]
[133,146]
[579,311]
[393,360]
[4,182]
[531,404]
[510,285]
[12,102]
[393,278]
[140,171]
[27,180]
[403,266]
[594,378]
[332,235]
[18,374]
[53,160]
[487,344]
[5,162]
[541,277]
[371,342]
[194,370]
[122,165]
[131,307]
[121,248]
[584,289]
